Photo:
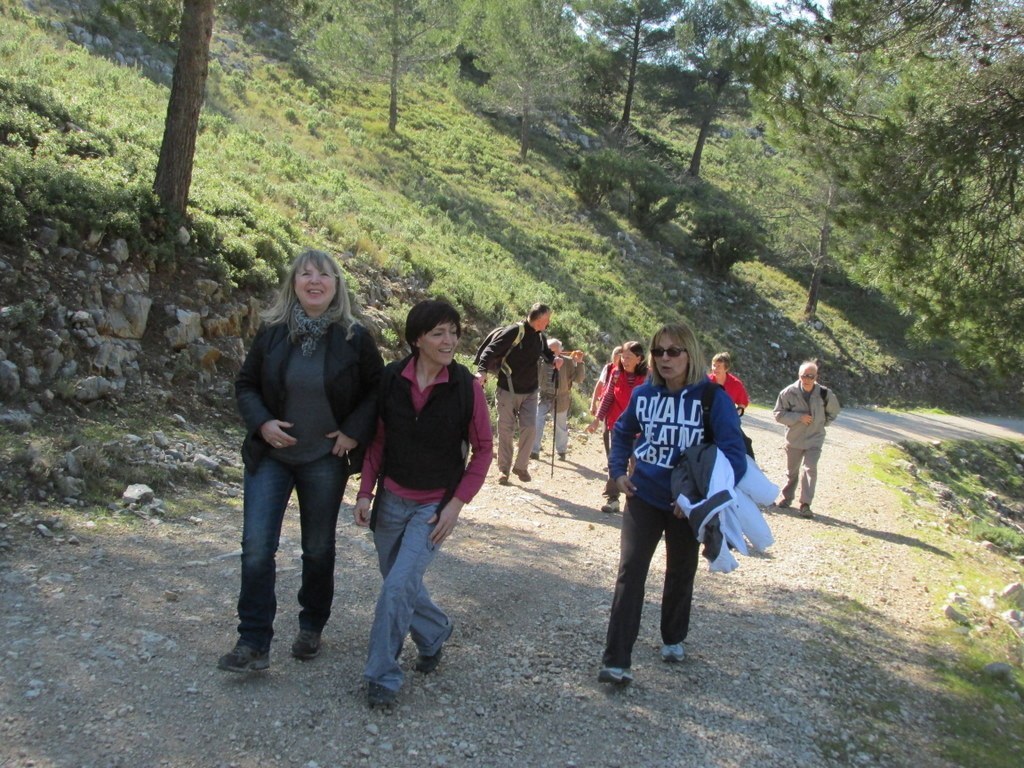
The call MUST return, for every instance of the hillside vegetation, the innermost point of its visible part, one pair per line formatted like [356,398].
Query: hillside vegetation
[442,207]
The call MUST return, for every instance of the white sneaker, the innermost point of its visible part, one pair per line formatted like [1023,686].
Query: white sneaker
[673,653]
[611,508]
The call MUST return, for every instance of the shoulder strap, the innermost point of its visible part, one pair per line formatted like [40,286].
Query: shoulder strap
[505,367]
[824,394]
[707,397]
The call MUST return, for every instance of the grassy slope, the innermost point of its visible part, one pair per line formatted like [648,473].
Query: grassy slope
[956,493]
[444,208]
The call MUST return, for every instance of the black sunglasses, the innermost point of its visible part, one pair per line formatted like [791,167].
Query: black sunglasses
[670,351]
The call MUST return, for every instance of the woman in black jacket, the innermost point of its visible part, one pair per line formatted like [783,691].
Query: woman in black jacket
[307,394]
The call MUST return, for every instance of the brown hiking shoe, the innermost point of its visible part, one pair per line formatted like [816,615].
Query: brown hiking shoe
[306,645]
[244,658]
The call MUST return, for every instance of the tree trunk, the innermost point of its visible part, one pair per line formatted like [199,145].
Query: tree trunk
[811,309]
[177,151]
[634,56]
[395,48]
[524,130]
[711,112]
[698,150]
[393,103]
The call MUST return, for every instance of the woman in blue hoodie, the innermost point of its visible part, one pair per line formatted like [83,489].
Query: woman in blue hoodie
[666,414]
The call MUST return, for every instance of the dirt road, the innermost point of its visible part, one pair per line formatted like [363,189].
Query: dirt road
[815,654]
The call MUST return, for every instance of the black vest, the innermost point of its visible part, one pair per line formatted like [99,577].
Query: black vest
[428,450]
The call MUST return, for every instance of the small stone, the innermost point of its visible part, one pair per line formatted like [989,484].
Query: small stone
[137,493]
[1013,592]
[999,670]
[954,615]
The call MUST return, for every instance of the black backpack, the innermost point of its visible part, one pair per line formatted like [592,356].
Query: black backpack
[707,397]
[489,339]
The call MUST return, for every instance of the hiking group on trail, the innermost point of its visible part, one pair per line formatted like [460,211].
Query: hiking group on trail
[319,405]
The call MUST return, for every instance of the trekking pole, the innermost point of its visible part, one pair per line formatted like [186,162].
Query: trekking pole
[554,420]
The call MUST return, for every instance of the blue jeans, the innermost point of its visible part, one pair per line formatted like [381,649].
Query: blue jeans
[319,486]
[402,538]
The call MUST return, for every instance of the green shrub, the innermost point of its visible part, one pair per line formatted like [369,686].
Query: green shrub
[598,175]
[721,238]
[655,198]
[1007,539]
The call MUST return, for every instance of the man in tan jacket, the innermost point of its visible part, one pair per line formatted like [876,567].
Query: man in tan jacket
[805,408]
[555,386]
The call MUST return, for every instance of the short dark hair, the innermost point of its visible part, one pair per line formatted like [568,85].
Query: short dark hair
[538,310]
[426,315]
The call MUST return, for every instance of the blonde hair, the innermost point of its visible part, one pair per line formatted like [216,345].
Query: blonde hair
[685,337]
[281,310]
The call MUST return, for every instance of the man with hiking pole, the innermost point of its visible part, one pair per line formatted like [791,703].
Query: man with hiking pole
[512,352]
[555,398]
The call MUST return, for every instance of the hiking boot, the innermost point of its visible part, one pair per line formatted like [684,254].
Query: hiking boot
[615,675]
[673,653]
[379,696]
[805,511]
[244,658]
[503,480]
[535,456]
[611,508]
[427,664]
[783,504]
[306,645]
[561,457]
[522,474]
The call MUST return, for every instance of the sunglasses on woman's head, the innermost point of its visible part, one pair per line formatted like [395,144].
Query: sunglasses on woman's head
[670,351]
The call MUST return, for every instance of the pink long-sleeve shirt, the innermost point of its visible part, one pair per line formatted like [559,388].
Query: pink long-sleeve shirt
[481,442]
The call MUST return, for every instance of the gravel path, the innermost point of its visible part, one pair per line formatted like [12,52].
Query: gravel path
[814,654]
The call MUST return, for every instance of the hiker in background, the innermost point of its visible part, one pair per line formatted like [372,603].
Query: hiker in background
[720,367]
[433,411]
[667,413]
[307,393]
[513,353]
[625,377]
[602,382]
[805,408]
[555,397]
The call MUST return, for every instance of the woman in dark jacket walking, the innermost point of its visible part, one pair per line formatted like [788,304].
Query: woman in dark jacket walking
[307,394]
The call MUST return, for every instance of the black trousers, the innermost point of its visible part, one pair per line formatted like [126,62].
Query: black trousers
[642,529]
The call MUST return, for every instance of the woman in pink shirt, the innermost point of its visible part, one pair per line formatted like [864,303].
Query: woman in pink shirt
[433,414]
[627,375]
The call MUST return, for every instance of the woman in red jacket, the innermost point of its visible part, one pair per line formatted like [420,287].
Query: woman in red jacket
[630,373]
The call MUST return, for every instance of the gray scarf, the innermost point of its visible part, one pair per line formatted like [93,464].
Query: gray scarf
[308,329]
